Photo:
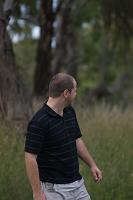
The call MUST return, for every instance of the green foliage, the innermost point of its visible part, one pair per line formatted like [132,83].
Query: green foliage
[91,28]
[91,57]
[25,52]
[88,11]
[24,17]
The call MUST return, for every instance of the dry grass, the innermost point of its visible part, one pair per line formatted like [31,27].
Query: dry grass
[108,133]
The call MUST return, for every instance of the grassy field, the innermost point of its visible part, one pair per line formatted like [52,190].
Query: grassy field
[109,137]
[107,132]
[13,180]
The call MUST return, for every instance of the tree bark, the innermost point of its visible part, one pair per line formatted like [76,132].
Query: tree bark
[65,54]
[105,59]
[13,102]
[44,53]
[60,25]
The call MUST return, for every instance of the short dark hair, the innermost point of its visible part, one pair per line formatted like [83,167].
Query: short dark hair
[60,82]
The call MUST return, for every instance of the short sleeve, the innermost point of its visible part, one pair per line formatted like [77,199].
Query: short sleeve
[34,137]
[78,131]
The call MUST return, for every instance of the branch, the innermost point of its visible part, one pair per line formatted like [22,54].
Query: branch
[30,19]
[8,9]
[8,6]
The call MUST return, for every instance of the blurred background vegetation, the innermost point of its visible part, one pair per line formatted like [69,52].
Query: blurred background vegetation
[91,40]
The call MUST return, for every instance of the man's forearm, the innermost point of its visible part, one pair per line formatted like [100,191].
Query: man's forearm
[87,158]
[32,172]
[83,153]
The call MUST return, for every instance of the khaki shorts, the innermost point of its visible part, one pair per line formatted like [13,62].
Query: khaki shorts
[70,191]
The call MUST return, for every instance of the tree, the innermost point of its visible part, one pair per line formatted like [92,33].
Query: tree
[100,54]
[51,60]
[65,52]
[13,98]
[44,52]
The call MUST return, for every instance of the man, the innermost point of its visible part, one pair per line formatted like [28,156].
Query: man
[53,144]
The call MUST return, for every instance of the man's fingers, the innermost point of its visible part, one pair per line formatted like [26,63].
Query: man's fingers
[95,176]
[99,176]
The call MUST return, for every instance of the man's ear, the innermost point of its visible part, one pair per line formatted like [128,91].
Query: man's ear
[66,93]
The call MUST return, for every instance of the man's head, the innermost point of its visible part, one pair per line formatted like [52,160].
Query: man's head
[63,85]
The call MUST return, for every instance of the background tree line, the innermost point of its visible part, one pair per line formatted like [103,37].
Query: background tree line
[92,40]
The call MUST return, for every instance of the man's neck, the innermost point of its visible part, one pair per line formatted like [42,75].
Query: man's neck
[56,104]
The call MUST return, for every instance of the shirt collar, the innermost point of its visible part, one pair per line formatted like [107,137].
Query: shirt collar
[49,110]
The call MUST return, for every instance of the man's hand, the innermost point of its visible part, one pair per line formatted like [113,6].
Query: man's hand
[39,196]
[97,174]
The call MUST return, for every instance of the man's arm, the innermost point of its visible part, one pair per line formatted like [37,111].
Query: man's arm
[87,158]
[33,176]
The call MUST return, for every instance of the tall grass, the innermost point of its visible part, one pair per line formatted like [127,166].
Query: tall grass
[13,181]
[108,134]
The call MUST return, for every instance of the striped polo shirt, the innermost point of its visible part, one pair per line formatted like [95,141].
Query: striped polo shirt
[53,139]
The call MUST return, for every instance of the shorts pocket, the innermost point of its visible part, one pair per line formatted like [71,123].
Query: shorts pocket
[49,187]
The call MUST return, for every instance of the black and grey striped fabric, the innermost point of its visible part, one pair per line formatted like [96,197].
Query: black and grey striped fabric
[53,139]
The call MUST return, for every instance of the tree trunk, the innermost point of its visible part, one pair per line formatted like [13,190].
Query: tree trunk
[65,54]
[105,59]
[13,103]
[44,53]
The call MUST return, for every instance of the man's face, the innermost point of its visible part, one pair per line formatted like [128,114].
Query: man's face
[71,94]
[74,91]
